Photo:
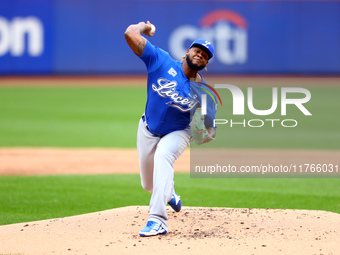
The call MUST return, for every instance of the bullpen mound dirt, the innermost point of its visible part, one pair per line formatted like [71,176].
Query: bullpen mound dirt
[194,230]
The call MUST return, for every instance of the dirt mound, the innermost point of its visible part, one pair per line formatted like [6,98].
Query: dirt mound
[194,230]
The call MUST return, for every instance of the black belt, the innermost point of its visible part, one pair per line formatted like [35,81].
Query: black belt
[147,126]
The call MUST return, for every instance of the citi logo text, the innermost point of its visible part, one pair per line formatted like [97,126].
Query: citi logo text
[227,30]
[15,34]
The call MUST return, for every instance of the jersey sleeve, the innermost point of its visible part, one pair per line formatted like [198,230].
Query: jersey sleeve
[153,57]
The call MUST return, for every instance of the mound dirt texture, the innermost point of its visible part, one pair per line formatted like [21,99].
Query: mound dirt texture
[194,230]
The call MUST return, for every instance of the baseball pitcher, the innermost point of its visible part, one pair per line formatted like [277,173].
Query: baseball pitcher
[164,131]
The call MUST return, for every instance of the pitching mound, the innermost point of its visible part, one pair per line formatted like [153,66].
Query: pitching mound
[194,230]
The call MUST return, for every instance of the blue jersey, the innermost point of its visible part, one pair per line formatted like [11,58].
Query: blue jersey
[169,102]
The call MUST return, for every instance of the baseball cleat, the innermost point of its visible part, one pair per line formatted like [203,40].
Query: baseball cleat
[175,202]
[151,229]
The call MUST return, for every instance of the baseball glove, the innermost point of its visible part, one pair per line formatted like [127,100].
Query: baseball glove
[198,130]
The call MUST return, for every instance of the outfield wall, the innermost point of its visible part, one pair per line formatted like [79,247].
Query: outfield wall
[250,37]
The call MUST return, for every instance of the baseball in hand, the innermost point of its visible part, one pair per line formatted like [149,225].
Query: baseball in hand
[153,29]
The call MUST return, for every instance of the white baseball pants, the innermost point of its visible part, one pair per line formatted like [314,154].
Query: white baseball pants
[156,160]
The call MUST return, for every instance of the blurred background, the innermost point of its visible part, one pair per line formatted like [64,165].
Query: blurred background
[251,37]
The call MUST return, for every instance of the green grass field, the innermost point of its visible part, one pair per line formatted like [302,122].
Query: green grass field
[108,117]
[70,117]
[32,198]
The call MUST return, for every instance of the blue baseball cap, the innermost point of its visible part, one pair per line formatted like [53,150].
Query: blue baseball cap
[204,44]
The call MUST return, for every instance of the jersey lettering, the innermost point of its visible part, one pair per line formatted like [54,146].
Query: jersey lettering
[167,88]
[172,72]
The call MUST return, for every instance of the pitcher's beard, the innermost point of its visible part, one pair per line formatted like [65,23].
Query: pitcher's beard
[193,66]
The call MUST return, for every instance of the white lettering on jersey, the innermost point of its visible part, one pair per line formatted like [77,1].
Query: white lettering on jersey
[167,88]
[172,72]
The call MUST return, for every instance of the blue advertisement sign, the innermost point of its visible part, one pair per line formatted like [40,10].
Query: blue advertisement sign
[250,37]
[25,37]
